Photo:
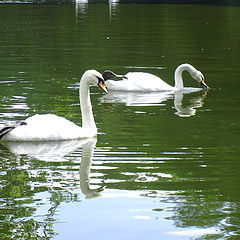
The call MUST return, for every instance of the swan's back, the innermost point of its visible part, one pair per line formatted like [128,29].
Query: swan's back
[45,127]
[139,81]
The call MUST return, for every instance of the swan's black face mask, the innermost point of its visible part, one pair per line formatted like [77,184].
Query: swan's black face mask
[109,74]
[101,84]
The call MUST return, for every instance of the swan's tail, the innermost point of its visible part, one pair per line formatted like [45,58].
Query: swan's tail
[7,129]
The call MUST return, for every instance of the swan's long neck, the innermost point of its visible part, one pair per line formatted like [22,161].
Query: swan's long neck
[178,74]
[86,106]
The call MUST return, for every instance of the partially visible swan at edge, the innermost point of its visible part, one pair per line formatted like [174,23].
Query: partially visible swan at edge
[141,81]
[49,127]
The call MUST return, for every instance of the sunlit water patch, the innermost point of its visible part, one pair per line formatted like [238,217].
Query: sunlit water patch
[14,107]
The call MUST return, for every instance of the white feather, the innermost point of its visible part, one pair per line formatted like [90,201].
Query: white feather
[146,82]
[50,127]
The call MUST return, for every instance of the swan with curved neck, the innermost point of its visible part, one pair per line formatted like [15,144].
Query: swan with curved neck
[141,81]
[50,127]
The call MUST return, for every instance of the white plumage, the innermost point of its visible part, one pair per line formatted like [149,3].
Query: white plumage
[146,82]
[50,127]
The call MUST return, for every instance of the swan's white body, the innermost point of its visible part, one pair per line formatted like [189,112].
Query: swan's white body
[50,127]
[141,81]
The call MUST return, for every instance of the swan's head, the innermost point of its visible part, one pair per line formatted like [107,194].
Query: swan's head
[198,76]
[95,78]
[109,74]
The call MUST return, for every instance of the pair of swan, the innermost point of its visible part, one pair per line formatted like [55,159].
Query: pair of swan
[50,127]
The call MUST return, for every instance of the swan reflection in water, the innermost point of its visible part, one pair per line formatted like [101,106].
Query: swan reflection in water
[81,10]
[82,7]
[85,168]
[158,99]
[191,108]
[58,151]
[112,8]
[45,151]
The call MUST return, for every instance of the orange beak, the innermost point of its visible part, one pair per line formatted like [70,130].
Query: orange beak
[102,86]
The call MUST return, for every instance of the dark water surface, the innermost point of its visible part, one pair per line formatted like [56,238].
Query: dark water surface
[164,166]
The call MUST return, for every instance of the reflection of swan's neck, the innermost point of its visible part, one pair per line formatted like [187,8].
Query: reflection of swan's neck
[86,106]
[189,110]
[178,74]
[86,161]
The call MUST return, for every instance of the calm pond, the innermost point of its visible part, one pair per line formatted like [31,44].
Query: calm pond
[163,166]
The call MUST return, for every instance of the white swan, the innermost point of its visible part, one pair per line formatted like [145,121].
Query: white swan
[50,127]
[140,81]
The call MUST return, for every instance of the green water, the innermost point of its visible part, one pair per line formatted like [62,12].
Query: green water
[164,166]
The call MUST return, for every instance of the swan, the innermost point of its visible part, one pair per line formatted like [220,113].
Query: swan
[50,127]
[141,81]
